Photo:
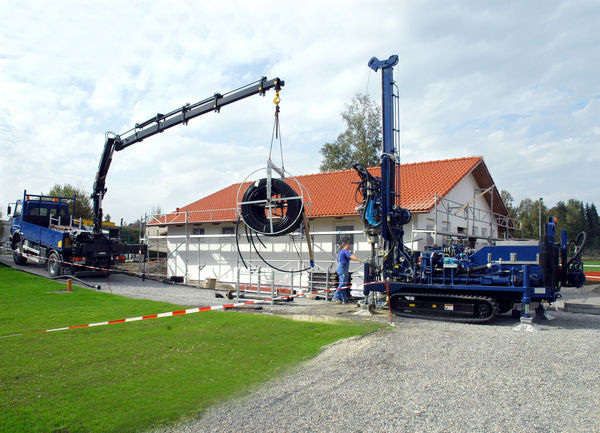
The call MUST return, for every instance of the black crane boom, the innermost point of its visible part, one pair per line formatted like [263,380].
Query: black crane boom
[160,123]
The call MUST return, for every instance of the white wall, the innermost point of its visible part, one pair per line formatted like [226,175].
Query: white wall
[214,255]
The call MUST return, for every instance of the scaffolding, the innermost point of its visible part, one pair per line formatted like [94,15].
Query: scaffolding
[190,249]
[468,221]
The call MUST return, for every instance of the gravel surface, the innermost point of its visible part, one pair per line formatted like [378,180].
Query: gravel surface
[419,376]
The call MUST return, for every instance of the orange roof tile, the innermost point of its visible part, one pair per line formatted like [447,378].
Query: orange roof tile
[333,193]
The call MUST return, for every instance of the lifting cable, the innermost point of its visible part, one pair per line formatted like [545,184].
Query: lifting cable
[270,206]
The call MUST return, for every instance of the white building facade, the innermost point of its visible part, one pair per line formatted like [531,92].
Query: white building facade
[202,246]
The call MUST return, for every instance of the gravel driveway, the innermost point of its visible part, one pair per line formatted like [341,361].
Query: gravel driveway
[419,376]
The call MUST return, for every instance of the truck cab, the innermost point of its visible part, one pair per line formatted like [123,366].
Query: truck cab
[39,228]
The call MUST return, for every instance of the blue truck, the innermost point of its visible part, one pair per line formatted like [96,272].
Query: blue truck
[44,231]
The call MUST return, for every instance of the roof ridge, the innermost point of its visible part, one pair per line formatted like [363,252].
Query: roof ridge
[435,161]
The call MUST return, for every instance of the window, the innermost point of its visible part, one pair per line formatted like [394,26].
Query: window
[342,238]
[198,231]
[228,230]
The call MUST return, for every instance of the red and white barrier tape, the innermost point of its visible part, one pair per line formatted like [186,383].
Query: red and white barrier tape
[592,275]
[173,313]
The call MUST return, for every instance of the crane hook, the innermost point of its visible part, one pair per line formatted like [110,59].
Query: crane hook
[277,99]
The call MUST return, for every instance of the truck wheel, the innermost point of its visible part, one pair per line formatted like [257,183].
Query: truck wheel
[18,257]
[54,265]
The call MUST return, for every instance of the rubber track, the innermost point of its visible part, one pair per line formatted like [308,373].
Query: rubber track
[447,317]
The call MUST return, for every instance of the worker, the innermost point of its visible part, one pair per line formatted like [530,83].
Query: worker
[344,258]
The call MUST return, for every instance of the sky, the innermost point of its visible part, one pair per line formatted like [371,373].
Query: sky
[515,82]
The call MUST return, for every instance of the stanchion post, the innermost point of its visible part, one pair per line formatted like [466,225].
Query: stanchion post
[69,283]
[258,284]
[237,284]
[272,287]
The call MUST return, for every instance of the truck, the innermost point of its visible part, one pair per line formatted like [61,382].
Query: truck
[44,231]
[454,282]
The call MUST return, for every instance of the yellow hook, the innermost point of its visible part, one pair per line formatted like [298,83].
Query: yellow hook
[277,99]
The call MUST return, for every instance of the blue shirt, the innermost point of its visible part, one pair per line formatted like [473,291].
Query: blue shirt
[344,257]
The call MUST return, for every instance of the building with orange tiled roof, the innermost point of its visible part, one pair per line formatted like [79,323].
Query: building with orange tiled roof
[452,198]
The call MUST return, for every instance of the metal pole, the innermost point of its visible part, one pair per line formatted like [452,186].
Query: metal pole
[272,286]
[491,215]
[258,284]
[435,230]
[237,284]
[187,247]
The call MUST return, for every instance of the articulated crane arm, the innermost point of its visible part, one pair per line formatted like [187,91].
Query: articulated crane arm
[161,122]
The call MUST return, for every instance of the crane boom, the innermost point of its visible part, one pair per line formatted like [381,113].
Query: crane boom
[160,123]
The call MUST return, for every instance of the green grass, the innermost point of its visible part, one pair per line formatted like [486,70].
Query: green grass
[591,262]
[130,376]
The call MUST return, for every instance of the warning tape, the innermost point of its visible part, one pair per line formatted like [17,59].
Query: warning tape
[594,275]
[171,313]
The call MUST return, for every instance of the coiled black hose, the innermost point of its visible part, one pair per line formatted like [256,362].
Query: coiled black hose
[286,208]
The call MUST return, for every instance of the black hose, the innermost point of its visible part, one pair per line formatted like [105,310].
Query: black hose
[255,215]
[579,244]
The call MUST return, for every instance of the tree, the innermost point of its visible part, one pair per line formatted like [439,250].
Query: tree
[575,218]
[592,227]
[83,205]
[360,142]
[528,213]
[508,200]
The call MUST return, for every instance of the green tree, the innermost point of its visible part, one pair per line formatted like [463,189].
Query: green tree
[592,227]
[83,205]
[575,218]
[559,211]
[528,212]
[360,142]
[508,200]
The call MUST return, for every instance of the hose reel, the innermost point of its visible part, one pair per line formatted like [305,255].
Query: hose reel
[271,207]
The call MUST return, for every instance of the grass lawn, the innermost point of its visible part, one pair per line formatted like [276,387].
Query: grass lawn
[130,376]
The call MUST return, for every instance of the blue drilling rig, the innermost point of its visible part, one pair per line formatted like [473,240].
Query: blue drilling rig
[453,282]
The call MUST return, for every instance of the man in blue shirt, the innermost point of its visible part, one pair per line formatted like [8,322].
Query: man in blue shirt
[342,270]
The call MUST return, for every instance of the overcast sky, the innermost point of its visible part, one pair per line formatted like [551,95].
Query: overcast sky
[514,81]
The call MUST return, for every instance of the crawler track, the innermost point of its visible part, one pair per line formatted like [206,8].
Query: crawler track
[445,306]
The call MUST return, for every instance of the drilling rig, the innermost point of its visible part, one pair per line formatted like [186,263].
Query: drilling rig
[453,282]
